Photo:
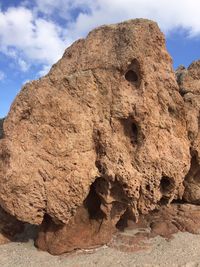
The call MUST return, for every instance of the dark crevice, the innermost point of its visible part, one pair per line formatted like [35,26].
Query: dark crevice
[166,185]
[132,130]
[123,221]
[134,133]
[194,171]
[101,168]
[1,128]
[179,201]
[93,202]
[171,110]
[163,201]
[182,91]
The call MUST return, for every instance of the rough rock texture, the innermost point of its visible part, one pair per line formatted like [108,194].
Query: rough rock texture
[107,123]
[9,226]
[189,83]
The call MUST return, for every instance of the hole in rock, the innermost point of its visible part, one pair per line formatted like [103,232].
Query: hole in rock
[148,187]
[163,201]
[131,76]
[131,129]
[171,110]
[166,185]
[134,130]
[93,202]
[133,73]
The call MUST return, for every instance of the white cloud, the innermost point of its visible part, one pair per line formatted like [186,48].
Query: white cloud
[29,39]
[64,8]
[168,14]
[2,75]
[32,36]
[24,66]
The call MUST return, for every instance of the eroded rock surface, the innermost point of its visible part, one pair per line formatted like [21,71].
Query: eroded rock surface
[107,123]
[189,83]
[9,225]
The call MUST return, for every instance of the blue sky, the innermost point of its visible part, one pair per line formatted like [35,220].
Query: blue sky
[34,34]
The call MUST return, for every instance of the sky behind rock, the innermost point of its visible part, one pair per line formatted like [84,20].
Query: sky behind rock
[34,34]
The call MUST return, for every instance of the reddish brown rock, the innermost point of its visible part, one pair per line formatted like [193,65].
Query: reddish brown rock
[9,227]
[165,221]
[107,121]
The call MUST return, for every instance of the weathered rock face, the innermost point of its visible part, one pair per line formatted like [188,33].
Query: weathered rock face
[189,83]
[9,225]
[107,123]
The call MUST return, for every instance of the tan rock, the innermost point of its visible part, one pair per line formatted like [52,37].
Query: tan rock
[190,90]
[9,225]
[107,121]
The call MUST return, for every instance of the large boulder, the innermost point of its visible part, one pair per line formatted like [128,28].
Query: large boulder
[102,135]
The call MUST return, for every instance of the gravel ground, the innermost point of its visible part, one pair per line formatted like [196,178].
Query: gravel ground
[182,250]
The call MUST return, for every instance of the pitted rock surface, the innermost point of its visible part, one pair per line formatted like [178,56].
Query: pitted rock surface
[108,123]
[189,84]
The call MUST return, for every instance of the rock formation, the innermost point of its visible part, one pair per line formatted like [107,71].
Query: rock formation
[108,134]
[189,83]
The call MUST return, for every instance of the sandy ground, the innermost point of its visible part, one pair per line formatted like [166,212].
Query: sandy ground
[182,250]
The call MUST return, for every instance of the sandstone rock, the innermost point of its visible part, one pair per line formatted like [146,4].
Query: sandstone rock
[190,90]
[9,226]
[108,121]
[168,220]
